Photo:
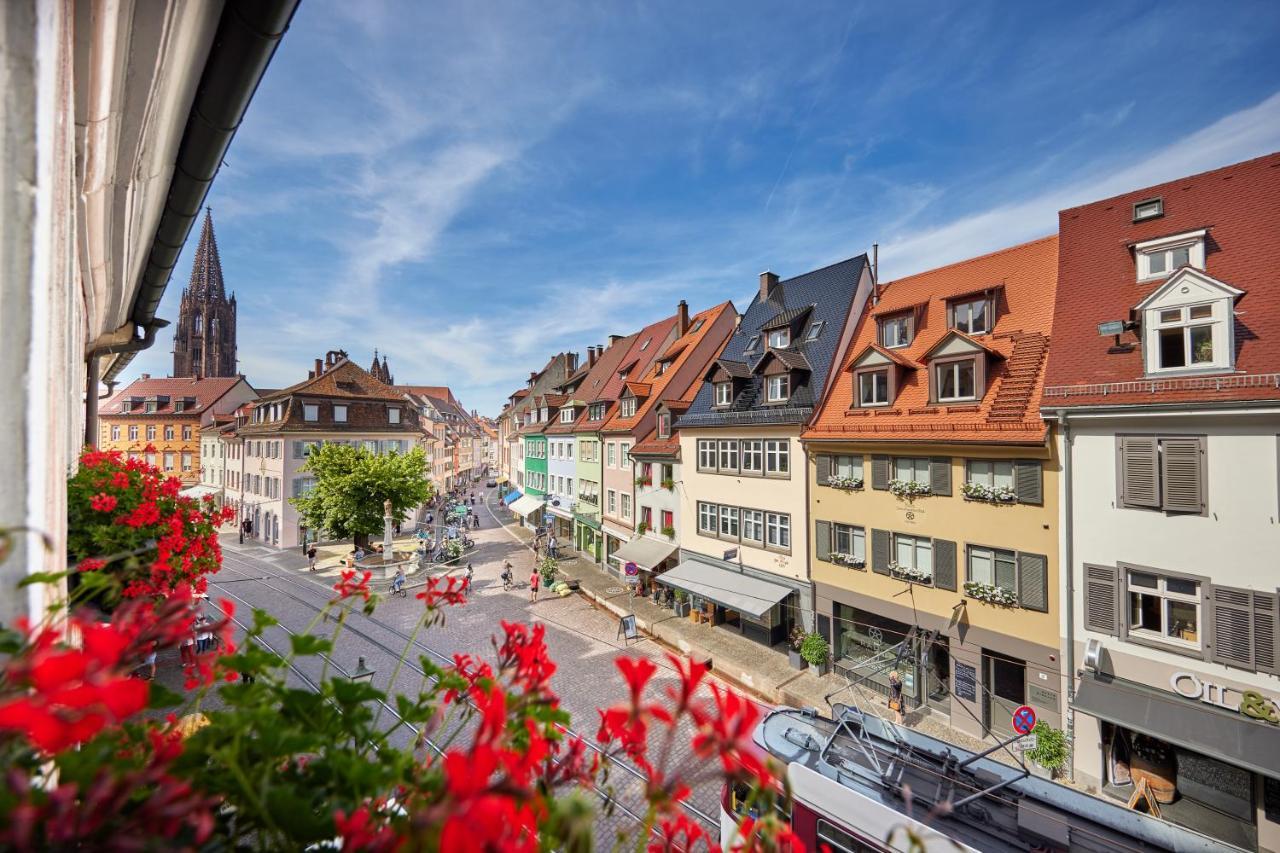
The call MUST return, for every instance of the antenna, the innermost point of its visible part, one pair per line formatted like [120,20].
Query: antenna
[875,273]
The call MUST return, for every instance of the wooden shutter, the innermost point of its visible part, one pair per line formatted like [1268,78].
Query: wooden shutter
[1139,471]
[822,539]
[1101,600]
[944,564]
[880,472]
[880,547]
[1266,626]
[940,476]
[1033,582]
[824,469]
[1028,481]
[1182,474]
[1231,639]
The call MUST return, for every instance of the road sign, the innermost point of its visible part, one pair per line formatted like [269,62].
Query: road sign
[629,627]
[632,573]
[1026,743]
[731,554]
[1024,719]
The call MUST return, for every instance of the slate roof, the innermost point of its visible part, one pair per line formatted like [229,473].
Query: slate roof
[205,391]
[786,318]
[792,359]
[830,291]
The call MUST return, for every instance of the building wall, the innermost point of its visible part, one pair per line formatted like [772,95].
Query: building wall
[658,499]
[589,458]
[188,442]
[535,462]
[620,478]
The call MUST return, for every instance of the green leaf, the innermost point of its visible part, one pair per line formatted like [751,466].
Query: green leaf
[42,577]
[298,817]
[163,697]
[308,644]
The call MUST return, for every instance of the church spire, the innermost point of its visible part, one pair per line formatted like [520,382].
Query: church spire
[204,340]
[206,272]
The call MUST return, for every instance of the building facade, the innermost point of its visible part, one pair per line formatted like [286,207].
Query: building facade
[744,556]
[933,495]
[1165,380]
[204,340]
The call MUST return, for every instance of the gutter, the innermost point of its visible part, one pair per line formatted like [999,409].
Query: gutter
[248,34]
[1067,566]
[126,349]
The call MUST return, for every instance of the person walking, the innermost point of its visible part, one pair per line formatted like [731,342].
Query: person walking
[552,545]
[471,573]
[895,696]
[187,649]
[311,558]
[533,585]
[506,575]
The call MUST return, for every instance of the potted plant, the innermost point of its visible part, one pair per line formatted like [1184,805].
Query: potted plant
[990,593]
[547,567]
[669,484]
[793,653]
[848,484]
[909,488]
[669,532]
[642,528]
[909,573]
[848,560]
[1050,754]
[816,652]
[644,481]
[682,603]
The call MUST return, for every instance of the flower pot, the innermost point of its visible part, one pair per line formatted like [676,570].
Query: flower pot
[1039,771]
[822,668]
[797,662]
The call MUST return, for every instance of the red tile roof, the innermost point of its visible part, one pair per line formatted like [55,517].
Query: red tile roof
[1240,207]
[1008,412]
[344,379]
[205,391]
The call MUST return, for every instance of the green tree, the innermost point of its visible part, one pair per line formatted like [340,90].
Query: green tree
[351,485]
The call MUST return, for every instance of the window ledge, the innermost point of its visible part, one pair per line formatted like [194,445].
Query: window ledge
[1177,372]
[1172,648]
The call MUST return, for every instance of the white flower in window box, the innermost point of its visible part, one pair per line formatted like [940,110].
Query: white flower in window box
[848,484]
[909,573]
[848,560]
[990,494]
[990,593]
[909,488]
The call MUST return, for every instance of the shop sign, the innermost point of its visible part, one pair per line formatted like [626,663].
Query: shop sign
[1250,703]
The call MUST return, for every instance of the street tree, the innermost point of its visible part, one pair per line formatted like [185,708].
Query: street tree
[352,484]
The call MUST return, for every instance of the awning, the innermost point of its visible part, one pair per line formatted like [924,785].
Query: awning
[527,504]
[198,491]
[586,521]
[1188,723]
[511,497]
[502,479]
[645,552]
[733,590]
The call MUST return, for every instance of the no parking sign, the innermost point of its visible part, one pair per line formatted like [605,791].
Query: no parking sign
[1024,719]
[632,572]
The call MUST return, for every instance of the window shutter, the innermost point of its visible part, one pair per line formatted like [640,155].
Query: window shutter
[1266,626]
[1101,602]
[824,469]
[1139,472]
[1182,473]
[1033,582]
[1232,639]
[880,547]
[944,564]
[1028,481]
[880,472]
[824,626]
[822,539]
[940,476]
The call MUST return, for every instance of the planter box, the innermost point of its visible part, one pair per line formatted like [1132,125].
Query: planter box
[681,608]
[797,662]
[822,668]
[1038,771]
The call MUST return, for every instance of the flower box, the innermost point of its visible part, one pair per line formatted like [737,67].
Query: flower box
[990,593]
[909,488]
[642,528]
[644,481]
[910,574]
[848,484]
[988,494]
[669,532]
[669,485]
[848,560]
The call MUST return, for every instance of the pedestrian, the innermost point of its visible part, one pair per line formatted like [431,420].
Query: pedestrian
[187,649]
[150,661]
[506,575]
[204,636]
[470,574]
[431,518]
[247,677]
[533,585]
[552,545]
[311,558]
[895,696]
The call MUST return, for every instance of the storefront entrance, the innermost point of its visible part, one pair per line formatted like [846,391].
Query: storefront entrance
[1005,688]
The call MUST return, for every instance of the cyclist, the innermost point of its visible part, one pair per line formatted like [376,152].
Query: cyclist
[397,583]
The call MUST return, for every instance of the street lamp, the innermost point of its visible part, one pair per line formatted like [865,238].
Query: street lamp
[362,673]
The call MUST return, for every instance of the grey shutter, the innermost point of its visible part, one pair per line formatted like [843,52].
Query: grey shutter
[1006,575]
[822,539]
[880,472]
[880,552]
[824,626]
[1033,582]
[1231,640]
[1139,471]
[1101,601]
[824,469]
[1028,481]
[1265,627]
[940,476]
[1182,474]
[944,564]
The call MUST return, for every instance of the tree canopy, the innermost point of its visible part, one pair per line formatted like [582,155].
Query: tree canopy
[351,485]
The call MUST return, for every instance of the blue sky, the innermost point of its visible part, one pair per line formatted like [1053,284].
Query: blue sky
[473,187]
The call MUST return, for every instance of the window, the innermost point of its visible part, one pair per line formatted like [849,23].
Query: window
[777,456]
[847,539]
[728,461]
[913,552]
[729,522]
[971,317]
[186,432]
[625,502]
[568,450]
[169,432]
[133,433]
[1185,337]
[1149,209]
[873,388]
[340,414]
[990,473]
[627,408]
[751,345]
[724,393]
[896,331]
[186,460]
[753,525]
[1160,258]
[393,415]
[542,414]
[149,407]
[151,433]
[1162,472]
[706,518]
[955,380]
[706,454]
[612,505]
[566,416]
[1164,608]
[310,412]
[780,338]
[611,454]
[752,456]
[646,517]
[911,469]
[848,467]
[668,520]
[151,458]
[644,346]
[993,567]
[624,454]
[815,330]
[664,425]
[777,530]
[115,433]
[778,388]
[168,461]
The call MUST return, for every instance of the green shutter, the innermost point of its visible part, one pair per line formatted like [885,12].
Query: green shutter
[1028,481]
[1033,582]
[822,540]
[880,547]
[944,564]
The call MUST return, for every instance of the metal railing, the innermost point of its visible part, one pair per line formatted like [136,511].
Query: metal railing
[1173,384]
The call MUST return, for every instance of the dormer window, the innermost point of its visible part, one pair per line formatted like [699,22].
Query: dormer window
[780,338]
[542,415]
[896,331]
[697,324]
[149,407]
[1164,256]
[956,380]
[1187,324]
[873,387]
[724,393]
[566,416]
[393,415]
[973,316]
[179,405]
[644,346]
[778,388]
[627,408]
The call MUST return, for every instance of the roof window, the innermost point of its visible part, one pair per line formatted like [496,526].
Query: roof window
[1152,208]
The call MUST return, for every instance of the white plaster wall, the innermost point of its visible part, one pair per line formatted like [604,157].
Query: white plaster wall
[558,467]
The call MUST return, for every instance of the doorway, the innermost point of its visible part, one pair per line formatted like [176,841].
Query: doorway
[937,680]
[1005,681]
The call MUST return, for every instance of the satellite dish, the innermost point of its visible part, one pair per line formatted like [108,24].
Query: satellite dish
[1093,655]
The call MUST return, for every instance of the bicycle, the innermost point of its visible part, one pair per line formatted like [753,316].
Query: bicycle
[398,589]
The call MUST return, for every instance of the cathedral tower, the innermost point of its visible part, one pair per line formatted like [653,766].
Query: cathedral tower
[204,342]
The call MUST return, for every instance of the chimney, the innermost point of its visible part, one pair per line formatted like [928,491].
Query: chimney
[768,281]
[319,367]
[311,374]
[613,339]
[682,312]
[591,356]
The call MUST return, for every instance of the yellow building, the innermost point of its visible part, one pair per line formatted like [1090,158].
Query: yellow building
[160,419]
[933,491]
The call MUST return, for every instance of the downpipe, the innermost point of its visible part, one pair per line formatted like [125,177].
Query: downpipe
[1068,567]
[92,380]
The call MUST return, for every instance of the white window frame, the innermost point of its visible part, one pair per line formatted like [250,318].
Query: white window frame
[664,425]
[914,464]
[1162,592]
[751,456]
[612,505]
[989,472]
[393,415]
[707,453]
[724,393]
[777,530]
[849,539]
[847,466]
[310,412]
[751,345]
[611,454]
[777,457]
[919,545]
[953,368]
[753,526]
[726,453]
[708,518]
[1164,248]
[901,326]
[778,388]
[963,318]
[624,501]
[566,416]
[729,521]
[339,413]
[627,408]
[779,338]
[862,378]
[991,556]
[1216,323]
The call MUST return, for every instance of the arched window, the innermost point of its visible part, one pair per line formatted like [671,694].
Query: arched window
[198,324]
[213,328]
